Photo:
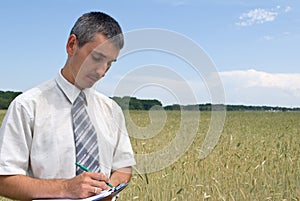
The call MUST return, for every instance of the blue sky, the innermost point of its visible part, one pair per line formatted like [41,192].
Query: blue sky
[254,45]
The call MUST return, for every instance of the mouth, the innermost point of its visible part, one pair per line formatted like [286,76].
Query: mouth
[93,78]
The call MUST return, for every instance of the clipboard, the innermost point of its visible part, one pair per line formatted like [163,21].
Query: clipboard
[103,195]
[108,193]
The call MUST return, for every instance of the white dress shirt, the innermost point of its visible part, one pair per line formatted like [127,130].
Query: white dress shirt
[36,136]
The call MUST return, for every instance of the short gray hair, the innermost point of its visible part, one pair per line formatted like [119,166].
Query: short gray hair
[89,24]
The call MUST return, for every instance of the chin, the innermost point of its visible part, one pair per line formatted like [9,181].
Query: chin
[87,84]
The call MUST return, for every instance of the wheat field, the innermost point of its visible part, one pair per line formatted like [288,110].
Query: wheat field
[257,158]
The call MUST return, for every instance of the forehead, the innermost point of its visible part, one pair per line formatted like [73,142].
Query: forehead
[101,44]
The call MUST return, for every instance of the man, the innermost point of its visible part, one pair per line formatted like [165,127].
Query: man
[37,148]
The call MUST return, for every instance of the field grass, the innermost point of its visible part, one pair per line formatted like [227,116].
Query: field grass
[257,158]
[2,113]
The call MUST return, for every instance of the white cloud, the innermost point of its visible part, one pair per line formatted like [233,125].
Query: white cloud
[257,87]
[253,78]
[257,16]
[287,9]
[248,87]
[261,16]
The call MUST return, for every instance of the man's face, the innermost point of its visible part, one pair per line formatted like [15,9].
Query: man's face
[93,60]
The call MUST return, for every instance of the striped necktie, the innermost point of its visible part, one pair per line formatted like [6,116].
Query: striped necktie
[85,136]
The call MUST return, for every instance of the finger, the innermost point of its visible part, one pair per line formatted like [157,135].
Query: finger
[96,190]
[98,180]
[100,184]
[99,177]
[95,176]
[99,188]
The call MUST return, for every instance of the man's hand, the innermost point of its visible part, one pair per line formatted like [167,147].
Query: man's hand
[21,187]
[121,175]
[86,184]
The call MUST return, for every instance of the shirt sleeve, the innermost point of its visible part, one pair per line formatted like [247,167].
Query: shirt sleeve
[15,141]
[123,154]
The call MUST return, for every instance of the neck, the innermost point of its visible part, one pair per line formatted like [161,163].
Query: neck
[68,74]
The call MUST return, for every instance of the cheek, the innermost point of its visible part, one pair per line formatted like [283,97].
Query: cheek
[81,72]
[87,64]
[84,72]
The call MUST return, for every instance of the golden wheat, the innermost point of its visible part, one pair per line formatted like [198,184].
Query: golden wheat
[257,158]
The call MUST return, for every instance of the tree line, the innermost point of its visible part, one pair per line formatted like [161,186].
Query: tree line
[6,97]
[210,107]
[133,103]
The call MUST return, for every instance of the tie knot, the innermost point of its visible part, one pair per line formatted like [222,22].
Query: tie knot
[81,98]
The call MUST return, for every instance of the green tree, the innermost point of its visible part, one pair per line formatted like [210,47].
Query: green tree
[6,97]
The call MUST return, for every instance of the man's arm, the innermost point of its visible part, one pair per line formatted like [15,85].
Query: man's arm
[22,187]
[121,175]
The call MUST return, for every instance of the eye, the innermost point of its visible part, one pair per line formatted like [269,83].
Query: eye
[97,58]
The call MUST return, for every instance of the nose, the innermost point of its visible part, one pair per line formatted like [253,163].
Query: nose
[102,69]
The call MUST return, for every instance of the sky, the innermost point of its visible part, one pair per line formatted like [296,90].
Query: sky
[252,47]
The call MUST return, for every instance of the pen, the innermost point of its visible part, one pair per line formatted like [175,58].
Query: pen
[82,167]
[87,170]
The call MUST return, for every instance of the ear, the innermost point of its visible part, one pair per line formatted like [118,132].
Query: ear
[71,45]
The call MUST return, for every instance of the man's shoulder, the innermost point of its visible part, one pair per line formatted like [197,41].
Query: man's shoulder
[35,93]
[105,101]
[101,97]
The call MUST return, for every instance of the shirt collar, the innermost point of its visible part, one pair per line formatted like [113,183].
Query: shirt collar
[70,90]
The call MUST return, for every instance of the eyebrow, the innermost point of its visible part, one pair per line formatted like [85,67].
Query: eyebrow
[103,55]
